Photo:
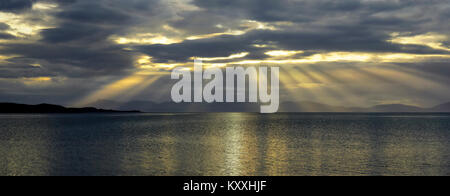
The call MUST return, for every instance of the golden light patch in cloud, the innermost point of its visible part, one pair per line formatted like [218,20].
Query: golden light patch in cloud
[166,66]
[282,53]
[152,38]
[206,36]
[432,40]
[160,66]
[36,81]
[146,39]
[40,79]
[20,26]
[396,57]
[261,45]
[233,56]
[252,25]
[403,57]
[348,57]
[341,56]
[3,58]
[144,63]
[181,5]
[44,6]
[248,25]
[326,57]
[144,60]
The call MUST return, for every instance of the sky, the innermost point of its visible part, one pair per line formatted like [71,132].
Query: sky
[338,52]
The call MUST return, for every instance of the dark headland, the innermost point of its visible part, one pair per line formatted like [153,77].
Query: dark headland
[49,108]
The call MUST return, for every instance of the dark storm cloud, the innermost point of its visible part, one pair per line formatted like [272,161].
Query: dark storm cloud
[106,60]
[6,36]
[3,35]
[23,71]
[200,22]
[362,26]
[78,46]
[4,26]
[325,25]
[15,5]
[269,10]
[87,21]
[94,13]
[75,32]
[306,10]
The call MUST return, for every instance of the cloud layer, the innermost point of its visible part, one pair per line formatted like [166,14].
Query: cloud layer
[49,46]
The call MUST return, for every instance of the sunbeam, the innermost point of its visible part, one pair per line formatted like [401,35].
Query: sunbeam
[123,89]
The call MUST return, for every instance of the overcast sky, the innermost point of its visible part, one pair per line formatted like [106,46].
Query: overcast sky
[339,52]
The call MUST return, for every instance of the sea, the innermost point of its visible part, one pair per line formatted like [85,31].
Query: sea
[225,144]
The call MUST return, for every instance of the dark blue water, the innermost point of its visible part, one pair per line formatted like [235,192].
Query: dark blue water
[225,144]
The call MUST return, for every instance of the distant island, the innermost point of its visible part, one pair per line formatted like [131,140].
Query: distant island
[48,108]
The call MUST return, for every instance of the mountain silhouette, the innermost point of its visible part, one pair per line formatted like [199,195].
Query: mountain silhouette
[396,108]
[147,106]
[442,108]
[48,108]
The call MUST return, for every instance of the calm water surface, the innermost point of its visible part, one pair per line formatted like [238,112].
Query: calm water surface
[225,144]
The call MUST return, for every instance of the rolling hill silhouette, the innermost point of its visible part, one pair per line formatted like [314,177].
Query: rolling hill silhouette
[442,108]
[48,108]
[146,106]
